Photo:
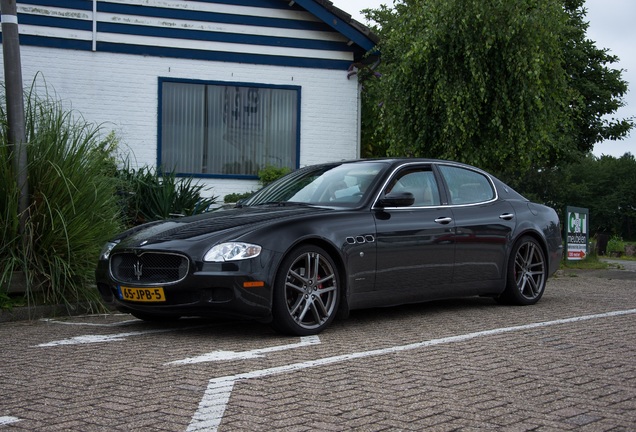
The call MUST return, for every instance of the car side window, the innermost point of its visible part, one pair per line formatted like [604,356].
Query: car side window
[466,186]
[420,182]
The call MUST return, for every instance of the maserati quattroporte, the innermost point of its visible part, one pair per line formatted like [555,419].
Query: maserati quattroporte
[331,238]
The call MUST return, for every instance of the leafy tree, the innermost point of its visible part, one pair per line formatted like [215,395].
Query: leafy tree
[605,185]
[473,80]
[597,88]
[514,87]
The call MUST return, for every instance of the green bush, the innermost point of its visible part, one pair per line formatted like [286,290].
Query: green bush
[236,197]
[265,176]
[616,245]
[72,204]
[144,195]
[271,173]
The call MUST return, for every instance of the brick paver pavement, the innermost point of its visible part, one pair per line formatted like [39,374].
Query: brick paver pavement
[450,371]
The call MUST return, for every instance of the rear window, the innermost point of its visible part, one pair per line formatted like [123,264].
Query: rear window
[467,186]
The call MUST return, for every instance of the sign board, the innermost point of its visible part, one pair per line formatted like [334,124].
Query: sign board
[576,233]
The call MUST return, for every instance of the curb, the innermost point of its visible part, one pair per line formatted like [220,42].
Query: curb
[33,313]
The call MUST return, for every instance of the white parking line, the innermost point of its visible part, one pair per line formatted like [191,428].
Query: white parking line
[245,355]
[6,420]
[212,406]
[115,324]
[88,339]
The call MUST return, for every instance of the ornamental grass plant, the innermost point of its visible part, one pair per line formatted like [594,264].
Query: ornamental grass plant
[146,195]
[80,196]
[73,209]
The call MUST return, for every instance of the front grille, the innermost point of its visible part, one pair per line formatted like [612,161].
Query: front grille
[149,268]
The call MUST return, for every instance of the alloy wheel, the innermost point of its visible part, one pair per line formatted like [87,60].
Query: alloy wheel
[529,270]
[311,289]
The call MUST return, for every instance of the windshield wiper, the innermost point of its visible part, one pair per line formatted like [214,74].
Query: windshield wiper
[282,204]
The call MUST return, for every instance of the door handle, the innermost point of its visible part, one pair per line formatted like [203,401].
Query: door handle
[507,216]
[444,220]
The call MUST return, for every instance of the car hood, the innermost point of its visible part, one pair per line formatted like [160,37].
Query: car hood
[204,225]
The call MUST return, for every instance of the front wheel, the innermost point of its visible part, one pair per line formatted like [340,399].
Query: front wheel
[527,273]
[306,292]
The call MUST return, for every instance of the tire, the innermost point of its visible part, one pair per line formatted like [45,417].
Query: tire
[527,273]
[306,292]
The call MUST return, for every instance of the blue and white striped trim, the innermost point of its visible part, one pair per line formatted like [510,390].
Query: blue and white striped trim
[251,31]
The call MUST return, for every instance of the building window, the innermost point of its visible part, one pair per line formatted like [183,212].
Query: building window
[220,129]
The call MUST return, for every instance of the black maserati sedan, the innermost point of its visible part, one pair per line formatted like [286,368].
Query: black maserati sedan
[330,238]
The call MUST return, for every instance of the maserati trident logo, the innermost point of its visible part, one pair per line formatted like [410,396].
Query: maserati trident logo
[137,269]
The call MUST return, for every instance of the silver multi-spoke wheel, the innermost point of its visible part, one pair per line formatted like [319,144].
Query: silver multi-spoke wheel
[527,273]
[530,270]
[307,292]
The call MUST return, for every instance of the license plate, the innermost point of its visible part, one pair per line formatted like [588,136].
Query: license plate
[142,294]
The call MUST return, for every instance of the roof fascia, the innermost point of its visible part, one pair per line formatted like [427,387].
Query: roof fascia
[336,23]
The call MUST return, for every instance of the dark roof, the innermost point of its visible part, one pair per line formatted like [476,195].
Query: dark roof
[347,18]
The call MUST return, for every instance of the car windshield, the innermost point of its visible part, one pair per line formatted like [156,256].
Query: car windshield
[345,185]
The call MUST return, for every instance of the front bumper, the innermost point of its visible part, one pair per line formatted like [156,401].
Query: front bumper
[211,290]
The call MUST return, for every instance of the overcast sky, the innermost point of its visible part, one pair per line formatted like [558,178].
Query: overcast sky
[611,26]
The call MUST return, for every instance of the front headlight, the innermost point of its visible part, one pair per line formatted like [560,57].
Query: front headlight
[232,251]
[108,247]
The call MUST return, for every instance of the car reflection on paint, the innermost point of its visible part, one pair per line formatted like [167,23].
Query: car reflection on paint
[331,238]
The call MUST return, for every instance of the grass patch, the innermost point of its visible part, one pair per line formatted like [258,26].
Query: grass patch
[591,262]
[628,258]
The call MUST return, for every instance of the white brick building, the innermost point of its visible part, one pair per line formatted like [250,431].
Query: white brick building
[211,88]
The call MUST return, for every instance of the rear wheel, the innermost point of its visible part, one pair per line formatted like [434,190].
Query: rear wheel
[527,273]
[306,292]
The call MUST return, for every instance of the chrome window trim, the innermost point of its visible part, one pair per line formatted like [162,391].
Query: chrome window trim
[442,206]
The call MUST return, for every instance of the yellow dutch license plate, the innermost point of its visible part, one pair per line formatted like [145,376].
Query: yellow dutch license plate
[143,294]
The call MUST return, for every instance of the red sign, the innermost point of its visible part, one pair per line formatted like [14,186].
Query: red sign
[576,254]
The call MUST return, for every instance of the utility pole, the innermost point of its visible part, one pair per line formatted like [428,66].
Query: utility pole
[15,102]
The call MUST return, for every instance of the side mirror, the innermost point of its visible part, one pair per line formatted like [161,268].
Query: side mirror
[397,199]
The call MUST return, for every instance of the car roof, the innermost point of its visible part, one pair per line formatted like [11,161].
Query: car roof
[401,160]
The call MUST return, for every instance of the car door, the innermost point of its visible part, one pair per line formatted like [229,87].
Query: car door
[415,249]
[484,225]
